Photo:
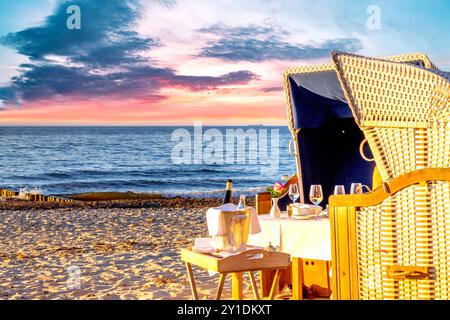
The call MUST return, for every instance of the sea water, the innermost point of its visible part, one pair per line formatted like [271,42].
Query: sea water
[67,160]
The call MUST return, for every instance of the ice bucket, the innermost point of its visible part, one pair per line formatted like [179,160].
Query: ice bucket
[236,229]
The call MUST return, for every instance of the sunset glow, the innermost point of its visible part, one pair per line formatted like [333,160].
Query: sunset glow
[168,62]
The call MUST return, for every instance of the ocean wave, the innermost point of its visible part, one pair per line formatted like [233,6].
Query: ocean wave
[118,159]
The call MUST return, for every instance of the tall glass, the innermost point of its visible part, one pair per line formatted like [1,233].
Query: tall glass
[293,192]
[356,188]
[316,197]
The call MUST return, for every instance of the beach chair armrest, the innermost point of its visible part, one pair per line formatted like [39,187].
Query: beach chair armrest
[387,189]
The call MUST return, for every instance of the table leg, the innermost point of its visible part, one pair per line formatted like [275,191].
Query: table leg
[273,290]
[220,287]
[254,287]
[236,285]
[265,281]
[191,280]
[328,276]
[297,279]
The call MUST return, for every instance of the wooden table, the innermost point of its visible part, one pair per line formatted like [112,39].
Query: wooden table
[254,259]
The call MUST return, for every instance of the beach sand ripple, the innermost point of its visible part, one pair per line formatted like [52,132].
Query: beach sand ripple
[119,252]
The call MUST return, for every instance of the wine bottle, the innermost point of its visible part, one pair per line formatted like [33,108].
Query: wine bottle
[228,191]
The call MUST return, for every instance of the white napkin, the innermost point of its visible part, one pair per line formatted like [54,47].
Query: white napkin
[215,223]
[304,209]
[203,245]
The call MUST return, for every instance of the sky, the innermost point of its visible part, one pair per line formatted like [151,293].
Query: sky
[168,62]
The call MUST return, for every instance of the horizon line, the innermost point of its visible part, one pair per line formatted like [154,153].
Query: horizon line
[144,125]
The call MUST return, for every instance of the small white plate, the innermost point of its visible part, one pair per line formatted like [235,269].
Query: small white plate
[304,217]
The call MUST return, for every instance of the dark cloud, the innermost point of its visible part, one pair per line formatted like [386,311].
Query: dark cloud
[197,83]
[102,59]
[123,51]
[44,81]
[265,43]
[102,25]
[7,95]
[248,31]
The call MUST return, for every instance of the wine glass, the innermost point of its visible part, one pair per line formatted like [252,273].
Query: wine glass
[293,192]
[356,188]
[339,189]
[316,196]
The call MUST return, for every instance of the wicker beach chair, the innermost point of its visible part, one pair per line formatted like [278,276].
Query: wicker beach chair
[318,115]
[394,243]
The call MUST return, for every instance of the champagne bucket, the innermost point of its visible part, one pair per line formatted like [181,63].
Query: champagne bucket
[236,229]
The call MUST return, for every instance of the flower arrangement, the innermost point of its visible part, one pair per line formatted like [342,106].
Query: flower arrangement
[278,188]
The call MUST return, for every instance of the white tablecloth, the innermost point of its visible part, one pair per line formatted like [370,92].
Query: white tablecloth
[307,239]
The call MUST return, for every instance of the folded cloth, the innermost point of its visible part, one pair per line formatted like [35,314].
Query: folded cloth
[215,222]
[299,209]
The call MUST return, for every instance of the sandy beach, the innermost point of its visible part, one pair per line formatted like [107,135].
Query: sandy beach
[126,249]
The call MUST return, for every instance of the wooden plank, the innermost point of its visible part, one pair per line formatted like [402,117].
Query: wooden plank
[344,257]
[334,255]
[206,261]
[263,203]
[253,260]
[379,195]
[250,260]
[297,279]
[33,197]
[222,278]
[315,275]
[328,274]
[191,281]
[265,281]
[352,242]
[254,287]
[236,286]
[344,279]
[285,277]
[273,289]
